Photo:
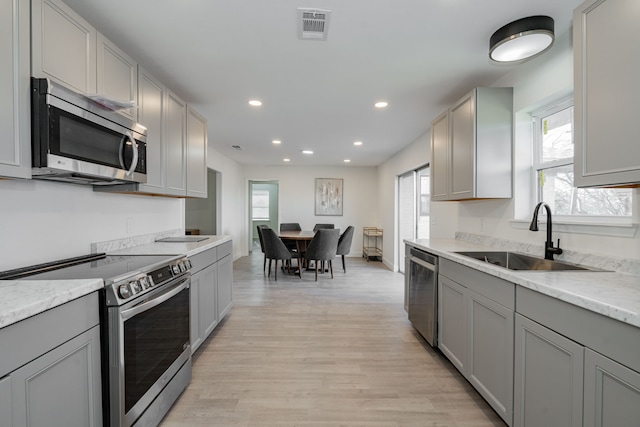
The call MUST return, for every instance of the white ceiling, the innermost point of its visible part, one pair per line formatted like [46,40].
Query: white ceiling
[419,55]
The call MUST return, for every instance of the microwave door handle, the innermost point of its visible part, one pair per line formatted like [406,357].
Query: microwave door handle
[134,162]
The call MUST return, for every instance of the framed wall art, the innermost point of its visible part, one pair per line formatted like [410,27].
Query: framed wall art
[328,193]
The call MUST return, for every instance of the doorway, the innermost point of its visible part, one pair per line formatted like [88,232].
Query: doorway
[263,209]
[201,215]
[413,208]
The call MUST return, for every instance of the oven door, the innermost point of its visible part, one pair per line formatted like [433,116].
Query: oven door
[148,345]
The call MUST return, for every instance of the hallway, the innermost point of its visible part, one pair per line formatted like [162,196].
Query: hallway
[329,353]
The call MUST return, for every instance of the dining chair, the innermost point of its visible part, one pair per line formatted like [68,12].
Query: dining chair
[319,226]
[344,244]
[276,250]
[260,228]
[322,248]
[290,226]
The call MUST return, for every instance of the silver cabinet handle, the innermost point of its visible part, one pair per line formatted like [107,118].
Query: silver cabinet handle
[134,162]
[422,263]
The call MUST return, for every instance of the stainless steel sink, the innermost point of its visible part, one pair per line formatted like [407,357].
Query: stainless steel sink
[518,261]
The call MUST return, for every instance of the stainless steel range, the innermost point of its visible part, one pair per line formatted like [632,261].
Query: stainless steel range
[146,353]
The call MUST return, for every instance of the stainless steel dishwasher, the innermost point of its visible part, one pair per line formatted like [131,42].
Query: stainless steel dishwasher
[422,286]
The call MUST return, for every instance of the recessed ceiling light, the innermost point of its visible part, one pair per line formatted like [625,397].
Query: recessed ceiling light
[277,141]
[381,104]
[307,152]
[347,161]
[357,143]
[286,160]
[255,103]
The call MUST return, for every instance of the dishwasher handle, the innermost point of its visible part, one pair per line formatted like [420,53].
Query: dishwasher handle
[422,263]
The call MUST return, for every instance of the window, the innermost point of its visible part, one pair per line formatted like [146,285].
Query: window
[553,167]
[260,205]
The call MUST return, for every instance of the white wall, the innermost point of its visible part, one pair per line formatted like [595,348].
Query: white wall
[43,221]
[296,196]
[535,83]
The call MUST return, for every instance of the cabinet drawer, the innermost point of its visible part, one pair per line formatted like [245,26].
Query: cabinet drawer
[225,249]
[203,259]
[491,287]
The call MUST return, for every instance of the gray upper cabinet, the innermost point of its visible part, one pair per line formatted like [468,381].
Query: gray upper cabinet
[63,46]
[15,121]
[151,102]
[475,147]
[175,145]
[607,147]
[196,154]
[440,157]
[117,75]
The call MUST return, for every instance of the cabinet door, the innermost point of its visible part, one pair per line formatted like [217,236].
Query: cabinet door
[440,157]
[490,366]
[5,402]
[607,150]
[194,313]
[452,322]
[208,300]
[225,285]
[63,46]
[117,75]
[462,169]
[196,154]
[15,117]
[151,102]
[548,377]
[176,131]
[62,387]
[611,393]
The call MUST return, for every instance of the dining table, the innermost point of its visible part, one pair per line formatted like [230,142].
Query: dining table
[301,237]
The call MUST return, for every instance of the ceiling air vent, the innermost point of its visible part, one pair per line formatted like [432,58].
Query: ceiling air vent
[313,24]
[236,147]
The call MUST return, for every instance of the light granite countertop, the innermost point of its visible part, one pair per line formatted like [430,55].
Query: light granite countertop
[20,299]
[172,248]
[612,294]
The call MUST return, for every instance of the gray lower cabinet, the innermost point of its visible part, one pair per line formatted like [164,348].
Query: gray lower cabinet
[60,388]
[475,328]
[611,393]
[548,377]
[53,378]
[211,291]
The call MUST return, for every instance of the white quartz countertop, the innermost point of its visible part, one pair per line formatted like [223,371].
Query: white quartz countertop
[173,248]
[615,295]
[20,299]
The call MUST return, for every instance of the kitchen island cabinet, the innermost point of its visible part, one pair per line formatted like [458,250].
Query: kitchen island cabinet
[607,152]
[53,378]
[15,84]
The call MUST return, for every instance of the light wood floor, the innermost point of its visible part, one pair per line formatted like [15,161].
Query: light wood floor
[330,353]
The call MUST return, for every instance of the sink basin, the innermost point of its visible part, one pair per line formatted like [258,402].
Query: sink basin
[518,261]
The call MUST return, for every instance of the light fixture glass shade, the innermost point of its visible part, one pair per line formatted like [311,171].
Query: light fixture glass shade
[522,39]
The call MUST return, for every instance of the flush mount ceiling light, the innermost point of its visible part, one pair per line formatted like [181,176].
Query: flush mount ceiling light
[357,143]
[381,104]
[286,159]
[255,103]
[522,39]
[307,152]
[276,141]
[347,160]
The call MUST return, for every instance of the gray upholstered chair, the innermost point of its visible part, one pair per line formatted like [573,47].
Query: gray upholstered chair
[260,228]
[322,248]
[319,226]
[276,250]
[290,226]
[344,245]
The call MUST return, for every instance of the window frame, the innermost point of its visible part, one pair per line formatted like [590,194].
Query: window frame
[253,205]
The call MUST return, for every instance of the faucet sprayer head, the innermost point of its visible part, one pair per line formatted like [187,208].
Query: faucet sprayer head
[534,220]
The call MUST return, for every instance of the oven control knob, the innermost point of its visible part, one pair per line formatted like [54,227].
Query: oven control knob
[150,279]
[175,268]
[188,262]
[144,282]
[124,291]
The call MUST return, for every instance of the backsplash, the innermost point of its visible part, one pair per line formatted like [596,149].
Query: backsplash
[128,242]
[603,262]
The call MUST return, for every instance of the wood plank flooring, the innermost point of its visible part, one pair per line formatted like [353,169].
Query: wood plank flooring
[332,353]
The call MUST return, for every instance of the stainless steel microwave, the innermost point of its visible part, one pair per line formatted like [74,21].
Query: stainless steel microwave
[78,140]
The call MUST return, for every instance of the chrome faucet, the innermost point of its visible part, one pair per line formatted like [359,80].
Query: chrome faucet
[549,250]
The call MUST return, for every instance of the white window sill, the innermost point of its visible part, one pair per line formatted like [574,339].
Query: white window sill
[616,229]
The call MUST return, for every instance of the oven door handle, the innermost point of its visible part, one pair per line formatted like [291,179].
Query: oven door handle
[144,306]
